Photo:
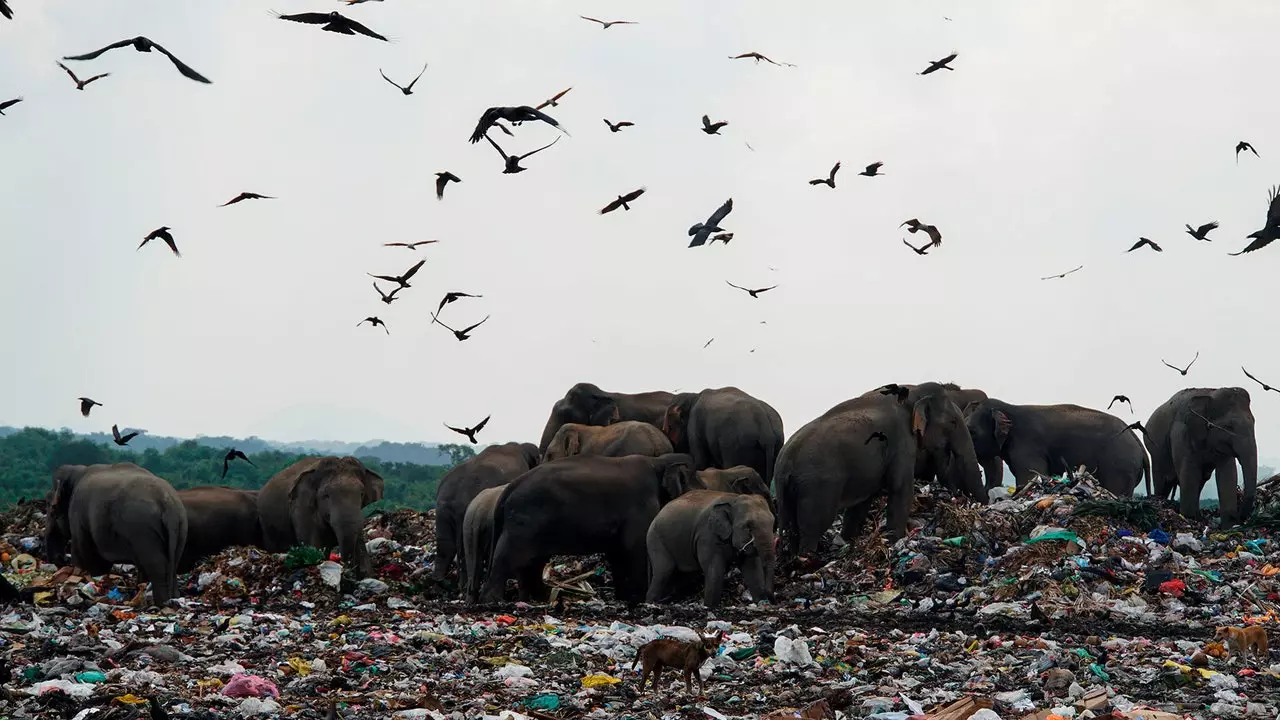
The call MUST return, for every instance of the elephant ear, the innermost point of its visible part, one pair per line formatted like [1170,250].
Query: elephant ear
[720,521]
[970,407]
[65,479]
[1002,426]
[373,484]
[676,480]
[1201,405]
[919,418]
[677,417]
[307,489]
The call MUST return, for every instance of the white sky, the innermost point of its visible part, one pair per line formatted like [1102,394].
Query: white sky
[1066,131]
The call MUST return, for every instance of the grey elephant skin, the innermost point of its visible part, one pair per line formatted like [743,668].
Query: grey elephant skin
[317,501]
[710,532]
[587,404]
[118,514]
[952,478]
[1186,449]
[1052,439]
[739,480]
[218,517]
[494,466]
[580,506]
[477,539]
[724,427]
[628,437]
[835,464]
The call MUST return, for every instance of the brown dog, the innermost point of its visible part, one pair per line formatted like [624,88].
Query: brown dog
[666,652]
[1244,641]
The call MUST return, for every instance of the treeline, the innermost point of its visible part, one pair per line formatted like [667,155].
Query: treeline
[29,457]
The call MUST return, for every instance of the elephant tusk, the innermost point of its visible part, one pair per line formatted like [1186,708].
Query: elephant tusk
[748,544]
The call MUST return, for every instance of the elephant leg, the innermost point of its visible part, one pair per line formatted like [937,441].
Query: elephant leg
[153,568]
[814,514]
[713,581]
[1191,478]
[901,495]
[662,568]
[446,548]
[531,588]
[508,558]
[1225,470]
[855,517]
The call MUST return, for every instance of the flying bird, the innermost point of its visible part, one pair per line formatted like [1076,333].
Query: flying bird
[753,293]
[758,57]
[873,170]
[623,201]
[374,322]
[443,179]
[162,233]
[605,25]
[1265,387]
[913,226]
[922,250]
[411,246]
[711,128]
[1136,426]
[615,127]
[1123,399]
[142,44]
[522,113]
[1144,241]
[406,89]
[8,104]
[1271,230]
[936,65]
[896,390]
[877,435]
[231,456]
[470,432]
[119,439]
[80,84]
[462,334]
[830,179]
[1242,145]
[701,231]
[246,196]
[452,297]
[1183,370]
[401,280]
[4,9]
[513,161]
[723,237]
[86,404]
[334,22]
[1202,232]
[707,344]
[555,99]
[1062,275]
[387,298]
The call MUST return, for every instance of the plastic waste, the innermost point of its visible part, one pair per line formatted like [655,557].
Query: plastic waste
[331,574]
[250,686]
[792,651]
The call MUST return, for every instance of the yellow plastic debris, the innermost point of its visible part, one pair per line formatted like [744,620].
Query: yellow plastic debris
[129,699]
[595,681]
[300,666]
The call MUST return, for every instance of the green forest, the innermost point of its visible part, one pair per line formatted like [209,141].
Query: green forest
[28,458]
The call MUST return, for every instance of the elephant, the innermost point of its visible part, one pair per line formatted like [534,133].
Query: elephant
[628,437]
[1052,439]
[739,479]
[710,532]
[1200,431]
[953,479]
[861,448]
[587,404]
[218,518]
[117,513]
[477,539]
[582,505]
[724,427]
[316,501]
[494,466]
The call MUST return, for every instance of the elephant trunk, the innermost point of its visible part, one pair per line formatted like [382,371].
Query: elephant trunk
[55,545]
[553,424]
[1246,451]
[993,468]
[759,561]
[348,524]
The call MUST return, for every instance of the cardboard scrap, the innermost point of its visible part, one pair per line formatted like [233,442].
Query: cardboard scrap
[819,710]
[961,709]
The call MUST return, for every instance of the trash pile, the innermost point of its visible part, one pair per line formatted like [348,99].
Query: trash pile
[1058,602]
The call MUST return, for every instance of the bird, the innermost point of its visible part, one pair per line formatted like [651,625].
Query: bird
[162,233]
[711,128]
[374,322]
[401,280]
[1271,230]
[521,113]
[1202,232]
[936,65]
[616,127]
[877,435]
[513,161]
[1265,387]
[707,344]
[442,180]
[1242,145]
[411,246]
[896,390]
[231,456]
[605,25]
[8,104]
[701,231]
[913,226]
[452,296]
[830,179]
[387,298]
[246,196]
[157,710]
[4,9]
[554,101]
[470,432]
[462,334]
[922,250]
[753,293]
[407,89]
[1062,275]
[1123,399]
[622,201]
[1144,241]
[142,44]
[723,237]
[86,404]
[873,170]
[758,57]
[119,439]
[1183,370]
[334,22]
[80,84]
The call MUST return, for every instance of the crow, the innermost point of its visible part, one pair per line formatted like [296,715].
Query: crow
[8,104]
[4,9]
[922,250]
[462,334]
[1271,230]
[401,280]
[1135,426]
[470,432]
[830,180]
[333,22]
[231,456]
[246,196]
[411,246]
[522,113]
[615,127]
[386,298]
[80,84]
[142,44]
[513,161]
[1062,275]
[1242,145]
[1144,241]
[1123,399]
[936,65]
[873,170]
[707,344]
[877,435]
[407,89]
[701,231]
[758,57]
[162,233]
[374,322]
[554,101]
[452,297]
[622,201]
[896,390]
[119,439]
[753,293]
[723,237]
[605,25]
[1265,387]
[1188,367]
[86,404]
[443,179]
[1202,232]
[914,226]
[711,128]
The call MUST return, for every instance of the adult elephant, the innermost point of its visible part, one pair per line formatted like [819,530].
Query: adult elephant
[217,518]
[477,540]
[628,437]
[317,501]
[587,404]
[710,532]
[1200,431]
[494,466]
[724,427]
[739,480]
[863,448]
[580,506]
[952,478]
[117,513]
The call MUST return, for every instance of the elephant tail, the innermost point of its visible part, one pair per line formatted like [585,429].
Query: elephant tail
[788,525]
[1146,471]
[499,511]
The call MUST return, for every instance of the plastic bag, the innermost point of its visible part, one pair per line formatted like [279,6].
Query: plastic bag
[792,651]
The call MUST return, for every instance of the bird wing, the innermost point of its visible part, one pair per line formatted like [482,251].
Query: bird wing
[414,245]
[736,286]
[934,234]
[388,278]
[384,77]
[768,288]
[584,17]
[412,271]
[487,118]
[9,103]
[68,71]
[1166,364]
[1113,402]
[706,121]
[363,30]
[234,200]
[420,72]
[96,53]
[874,167]
[183,68]
[380,293]
[834,169]
[948,59]
[1136,245]
[544,147]
[553,98]
[128,436]
[473,327]
[457,430]
[313,18]
[396,244]
[168,240]
[1211,226]
[1273,210]
[480,427]
[613,205]
[1251,377]
[226,462]
[441,181]
[495,147]
[1193,360]
[5,10]
[436,320]
[633,195]
[115,432]
[626,123]
[1255,245]
[719,214]
[538,114]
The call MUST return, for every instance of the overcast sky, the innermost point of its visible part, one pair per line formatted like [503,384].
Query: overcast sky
[1066,131]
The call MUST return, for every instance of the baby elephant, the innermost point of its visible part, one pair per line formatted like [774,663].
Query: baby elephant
[739,480]
[711,532]
[629,437]
[668,652]
[218,518]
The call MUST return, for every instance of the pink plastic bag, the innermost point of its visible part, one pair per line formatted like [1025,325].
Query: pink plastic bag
[250,686]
